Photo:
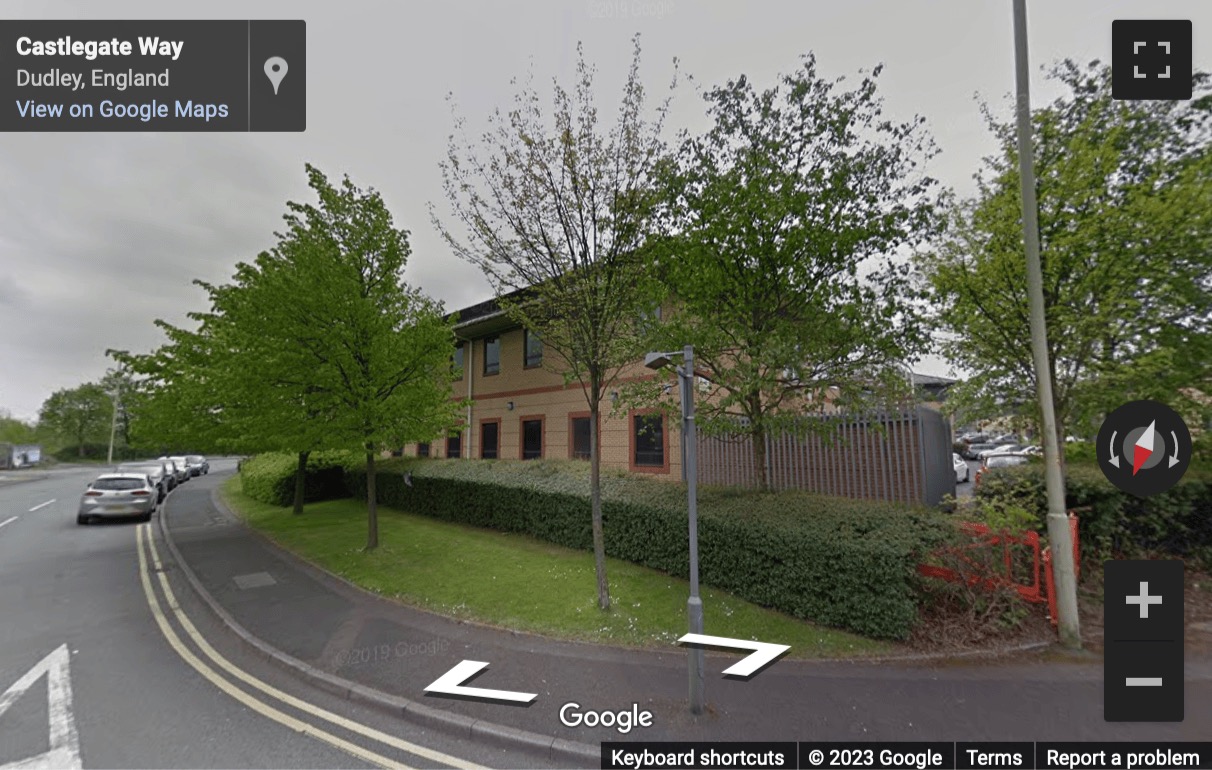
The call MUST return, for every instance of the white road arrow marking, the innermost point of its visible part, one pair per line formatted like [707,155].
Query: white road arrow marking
[764,653]
[1114,454]
[451,683]
[1174,457]
[64,740]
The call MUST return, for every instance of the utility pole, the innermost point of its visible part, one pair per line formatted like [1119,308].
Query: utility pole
[113,425]
[694,605]
[1054,477]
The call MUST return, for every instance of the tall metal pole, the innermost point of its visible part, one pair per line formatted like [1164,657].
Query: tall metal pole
[694,605]
[1054,478]
[113,426]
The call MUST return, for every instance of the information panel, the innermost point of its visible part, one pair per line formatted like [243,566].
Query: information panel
[926,755]
[153,75]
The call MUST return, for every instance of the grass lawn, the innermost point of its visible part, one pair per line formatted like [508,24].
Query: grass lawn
[521,583]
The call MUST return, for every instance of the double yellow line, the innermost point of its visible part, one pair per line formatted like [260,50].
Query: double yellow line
[147,544]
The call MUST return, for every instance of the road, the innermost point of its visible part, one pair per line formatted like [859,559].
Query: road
[98,669]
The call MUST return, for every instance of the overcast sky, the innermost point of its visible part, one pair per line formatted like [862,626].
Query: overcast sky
[101,234]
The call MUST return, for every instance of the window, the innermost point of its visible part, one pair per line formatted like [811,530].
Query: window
[454,445]
[532,439]
[580,438]
[534,350]
[648,440]
[492,355]
[457,358]
[423,449]
[490,435]
[119,485]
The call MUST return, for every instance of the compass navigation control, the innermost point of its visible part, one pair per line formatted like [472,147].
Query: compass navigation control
[1144,448]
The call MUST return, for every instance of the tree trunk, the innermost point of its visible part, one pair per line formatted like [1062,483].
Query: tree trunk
[81,447]
[301,481]
[372,503]
[757,433]
[759,459]
[595,503]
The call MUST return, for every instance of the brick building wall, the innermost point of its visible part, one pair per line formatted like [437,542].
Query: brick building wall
[517,393]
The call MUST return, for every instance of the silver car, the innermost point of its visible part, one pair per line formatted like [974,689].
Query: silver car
[155,471]
[122,495]
[177,464]
[183,465]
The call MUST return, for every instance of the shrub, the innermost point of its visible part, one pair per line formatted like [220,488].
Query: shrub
[1114,524]
[95,451]
[270,478]
[844,563]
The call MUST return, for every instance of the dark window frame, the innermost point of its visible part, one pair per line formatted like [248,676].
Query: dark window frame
[496,452]
[632,441]
[527,362]
[573,418]
[423,449]
[458,446]
[542,421]
[492,368]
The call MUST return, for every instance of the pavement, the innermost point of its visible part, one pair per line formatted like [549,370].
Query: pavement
[377,651]
[109,659]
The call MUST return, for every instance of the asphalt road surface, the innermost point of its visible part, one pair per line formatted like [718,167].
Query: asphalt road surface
[97,669]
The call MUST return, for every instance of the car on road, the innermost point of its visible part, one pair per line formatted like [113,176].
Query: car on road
[153,470]
[972,451]
[180,472]
[961,468]
[198,465]
[1000,461]
[1001,450]
[123,495]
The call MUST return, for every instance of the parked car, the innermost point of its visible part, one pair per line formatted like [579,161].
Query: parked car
[179,469]
[118,495]
[1000,461]
[961,469]
[1007,438]
[153,470]
[183,464]
[198,465]
[973,450]
[1035,450]
[1001,450]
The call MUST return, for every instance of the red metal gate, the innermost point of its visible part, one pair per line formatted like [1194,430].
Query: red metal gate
[1037,586]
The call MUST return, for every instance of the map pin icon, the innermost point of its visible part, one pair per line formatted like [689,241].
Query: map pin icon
[275,70]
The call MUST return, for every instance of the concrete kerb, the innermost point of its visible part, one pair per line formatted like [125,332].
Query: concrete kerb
[455,724]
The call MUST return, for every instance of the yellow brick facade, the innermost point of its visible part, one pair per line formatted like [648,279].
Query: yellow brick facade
[518,393]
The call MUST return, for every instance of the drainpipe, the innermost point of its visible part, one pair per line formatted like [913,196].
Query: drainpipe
[469,370]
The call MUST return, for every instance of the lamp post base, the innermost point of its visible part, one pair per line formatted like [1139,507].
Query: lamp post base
[694,613]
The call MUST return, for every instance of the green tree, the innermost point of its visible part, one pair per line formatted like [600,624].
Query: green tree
[318,343]
[780,225]
[1125,220]
[14,431]
[79,415]
[556,212]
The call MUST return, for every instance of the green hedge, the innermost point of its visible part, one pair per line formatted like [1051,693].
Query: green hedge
[270,478]
[1114,524]
[843,563]
[95,451]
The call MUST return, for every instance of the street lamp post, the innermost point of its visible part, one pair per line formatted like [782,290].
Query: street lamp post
[694,605]
[113,425]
